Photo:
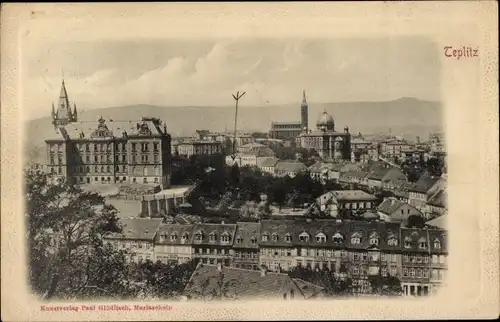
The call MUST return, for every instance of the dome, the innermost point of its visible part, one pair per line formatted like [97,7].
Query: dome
[325,121]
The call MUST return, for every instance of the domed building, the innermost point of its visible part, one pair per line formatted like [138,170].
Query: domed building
[330,144]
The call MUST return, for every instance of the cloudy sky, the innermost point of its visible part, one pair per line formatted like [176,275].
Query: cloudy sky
[174,72]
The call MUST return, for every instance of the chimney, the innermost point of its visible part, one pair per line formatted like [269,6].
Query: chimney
[219,267]
[222,222]
[263,270]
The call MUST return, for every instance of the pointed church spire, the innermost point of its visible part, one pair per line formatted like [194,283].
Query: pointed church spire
[304,102]
[53,110]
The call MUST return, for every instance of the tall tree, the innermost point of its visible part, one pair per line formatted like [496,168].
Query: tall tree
[66,227]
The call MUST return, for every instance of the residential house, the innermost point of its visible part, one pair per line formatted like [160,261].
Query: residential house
[420,192]
[394,210]
[212,243]
[354,200]
[173,244]
[415,249]
[439,256]
[289,168]
[243,284]
[320,245]
[354,177]
[277,251]
[137,236]
[373,250]
[267,164]
[437,204]
[246,245]
[323,171]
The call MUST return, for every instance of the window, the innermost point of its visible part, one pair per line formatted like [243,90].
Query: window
[87,148]
[265,237]
[419,273]
[212,237]
[338,239]
[253,240]
[412,272]
[133,147]
[226,238]
[407,242]
[393,270]
[374,241]
[275,237]
[384,271]
[355,270]
[405,272]
[155,147]
[173,237]
[422,243]
[355,256]
[320,238]
[288,238]
[382,257]
[95,158]
[441,259]
[355,240]
[426,273]
[198,236]
[437,244]
[304,237]
[124,158]
[392,241]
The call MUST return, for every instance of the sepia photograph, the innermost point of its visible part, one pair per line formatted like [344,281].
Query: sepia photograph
[163,171]
[260,168]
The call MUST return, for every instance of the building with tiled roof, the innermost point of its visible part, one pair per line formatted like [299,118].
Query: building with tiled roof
[267,164]
[394,210]
[246,245]
[358,177]
[111,152]
[173,243]
[137,235]
[212,243]
[420,192]
[289,168]
[424,260]
[275,245]
[241,284]
[437,204]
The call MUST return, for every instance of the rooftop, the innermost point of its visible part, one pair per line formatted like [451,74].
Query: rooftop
[138,228]
[348,195]
[241,283]
[290,166]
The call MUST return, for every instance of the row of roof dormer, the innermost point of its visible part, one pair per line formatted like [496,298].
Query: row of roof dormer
[289,233]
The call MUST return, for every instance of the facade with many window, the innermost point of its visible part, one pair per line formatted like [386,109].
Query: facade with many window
[111,152]
[173,244]
[213,243]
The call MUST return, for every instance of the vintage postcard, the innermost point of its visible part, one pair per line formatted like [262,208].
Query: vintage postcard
[255,161]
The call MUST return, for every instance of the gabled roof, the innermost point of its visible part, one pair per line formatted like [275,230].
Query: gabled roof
[414,235]
[328,227]
[247,231]
[241,283]
[138,228]
[441,236]
[355,174]
[307,289]
[390,205]
[290,166]
[440,222]
[218,230]
[320,166]
[344,195]
[424,184]
[179,231]
[280,227]
[439,199]
[365,229]
[267,161]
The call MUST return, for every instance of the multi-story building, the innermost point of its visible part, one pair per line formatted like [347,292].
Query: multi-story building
[394,210]
[111,152]
[285,130]
[277,251]
[320,245]
[267,164]
[246,245]
[288,168]
[212,243]
[439,257]
[173,244]
[137,237]
[421,192]
[199,147]
[416,261]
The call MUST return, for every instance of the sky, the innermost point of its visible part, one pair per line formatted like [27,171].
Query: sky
[176,72]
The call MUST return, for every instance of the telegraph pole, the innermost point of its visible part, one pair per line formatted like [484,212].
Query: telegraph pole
[236,98]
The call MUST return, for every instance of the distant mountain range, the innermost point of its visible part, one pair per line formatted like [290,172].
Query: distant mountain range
[410,117]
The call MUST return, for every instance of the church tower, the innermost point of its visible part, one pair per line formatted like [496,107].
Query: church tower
[304,121]
[63,115]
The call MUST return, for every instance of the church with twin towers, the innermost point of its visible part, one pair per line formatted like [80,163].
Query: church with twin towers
[331,145]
